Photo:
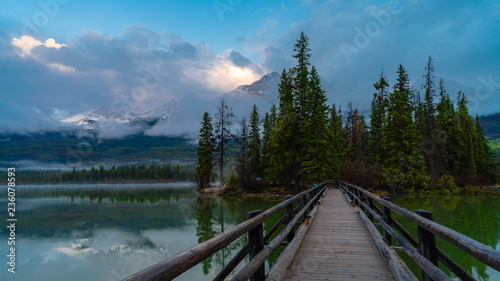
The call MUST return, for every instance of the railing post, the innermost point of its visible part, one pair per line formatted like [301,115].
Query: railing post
[289,218]
[388,220]
[361,200]
[426,243]
[370,204]
[311,196]
[256,244]
[304,203]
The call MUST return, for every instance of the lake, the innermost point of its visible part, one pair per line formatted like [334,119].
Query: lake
[108,232]
[475,216]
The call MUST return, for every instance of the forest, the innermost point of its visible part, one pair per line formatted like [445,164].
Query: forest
[121,173]
[413,142]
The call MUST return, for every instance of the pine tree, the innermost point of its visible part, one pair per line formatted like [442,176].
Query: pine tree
[485,158]
[337,132]
[283,148]
[399,131]
[434,146]
[448,124]
[223,135]
[301,71]
[269,126]
[254,145]
[301,89]
[318,152]
[242,168]
[468,136]
[377,119]
[205,151]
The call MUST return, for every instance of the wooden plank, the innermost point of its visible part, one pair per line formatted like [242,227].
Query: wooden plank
[338,246]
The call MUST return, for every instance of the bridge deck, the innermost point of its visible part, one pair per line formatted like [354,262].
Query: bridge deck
[338,246]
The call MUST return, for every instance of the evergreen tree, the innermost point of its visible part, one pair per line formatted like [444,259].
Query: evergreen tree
[355,129]
[301,72]
[223,135]
[377,119]
[318,152]
[301,90]
[337,132]
[449,126]
[269,126]
[254,144]
[486,165]
[242,167]
[434,146]
[283,148]
[205,151]
[468,136]
[399,130]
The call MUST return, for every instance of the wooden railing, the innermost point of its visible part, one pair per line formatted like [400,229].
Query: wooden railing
[424,251]
[258,247]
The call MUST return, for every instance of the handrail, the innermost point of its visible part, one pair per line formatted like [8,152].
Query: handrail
[419,259]
[174,266]
[481,252]
[258,260]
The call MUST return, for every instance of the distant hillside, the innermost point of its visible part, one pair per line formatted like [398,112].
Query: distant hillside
[70,147]
[491,125]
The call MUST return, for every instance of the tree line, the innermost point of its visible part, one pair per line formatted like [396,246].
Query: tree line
[143,172]
[413,141]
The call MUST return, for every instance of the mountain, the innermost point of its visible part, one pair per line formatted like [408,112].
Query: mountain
[93,119]
[267,86]
[263,92]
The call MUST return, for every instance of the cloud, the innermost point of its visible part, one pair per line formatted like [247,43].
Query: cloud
[27,43]
[384,34]
[136,71]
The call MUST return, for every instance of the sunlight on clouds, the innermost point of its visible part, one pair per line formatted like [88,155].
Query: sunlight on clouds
[222,75]
[27,43]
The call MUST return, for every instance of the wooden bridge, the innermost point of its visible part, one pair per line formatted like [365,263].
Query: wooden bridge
[327,239]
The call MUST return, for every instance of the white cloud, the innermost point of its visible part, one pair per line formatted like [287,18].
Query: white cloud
[27,43]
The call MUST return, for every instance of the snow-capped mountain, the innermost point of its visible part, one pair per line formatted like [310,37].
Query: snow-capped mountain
[267,86]
[93,119]
[263,90]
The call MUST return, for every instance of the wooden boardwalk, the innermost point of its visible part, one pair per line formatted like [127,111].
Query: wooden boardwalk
[338,246]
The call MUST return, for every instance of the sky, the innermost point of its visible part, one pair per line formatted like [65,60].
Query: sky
[59,58]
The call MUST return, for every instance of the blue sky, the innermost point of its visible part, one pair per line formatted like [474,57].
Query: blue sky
[59,58]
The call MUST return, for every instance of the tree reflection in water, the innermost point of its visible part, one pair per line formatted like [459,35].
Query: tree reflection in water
[475,216]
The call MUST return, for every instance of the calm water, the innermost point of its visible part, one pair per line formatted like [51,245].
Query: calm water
[476,217]
[108,232]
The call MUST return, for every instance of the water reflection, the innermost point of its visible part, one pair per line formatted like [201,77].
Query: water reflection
[109,232]
[475,216]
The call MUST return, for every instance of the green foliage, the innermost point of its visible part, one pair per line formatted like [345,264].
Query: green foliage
[446,186]
[399,133]
[232,186]
[376,152]
[222,133]
[143,172]
[317,139]
[254,145]
[299,145]
[205,152]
